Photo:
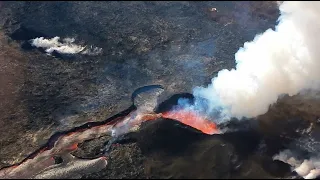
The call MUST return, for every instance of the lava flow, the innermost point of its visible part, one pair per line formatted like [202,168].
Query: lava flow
[193,119]
[63,143]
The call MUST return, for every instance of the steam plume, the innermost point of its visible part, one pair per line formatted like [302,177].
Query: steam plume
[307,168]
[67,46]
[276,62]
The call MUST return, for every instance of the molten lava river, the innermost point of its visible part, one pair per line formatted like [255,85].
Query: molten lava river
[41,163]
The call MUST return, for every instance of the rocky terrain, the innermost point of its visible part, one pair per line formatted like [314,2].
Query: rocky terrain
[179,45]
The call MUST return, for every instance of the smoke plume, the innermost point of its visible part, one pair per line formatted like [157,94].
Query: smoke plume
[276,62]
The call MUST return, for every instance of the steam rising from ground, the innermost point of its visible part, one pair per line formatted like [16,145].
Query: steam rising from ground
[308,168]
[303,153]
[277,62]
[67,46]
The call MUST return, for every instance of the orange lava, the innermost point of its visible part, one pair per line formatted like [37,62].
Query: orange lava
[73,147]
[193,119]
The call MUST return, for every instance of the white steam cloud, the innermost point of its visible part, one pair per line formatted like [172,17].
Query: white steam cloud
[67,46]
[308,168]
[281,61]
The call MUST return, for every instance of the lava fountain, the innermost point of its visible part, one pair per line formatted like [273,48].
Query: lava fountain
[193,119]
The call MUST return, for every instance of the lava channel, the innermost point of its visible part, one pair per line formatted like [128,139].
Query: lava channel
[63,143]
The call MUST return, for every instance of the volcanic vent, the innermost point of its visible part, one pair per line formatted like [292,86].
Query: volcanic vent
[277,62]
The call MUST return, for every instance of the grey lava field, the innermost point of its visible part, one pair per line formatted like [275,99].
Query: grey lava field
[73,75]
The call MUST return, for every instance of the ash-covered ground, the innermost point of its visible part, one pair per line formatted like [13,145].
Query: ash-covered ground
[179,45]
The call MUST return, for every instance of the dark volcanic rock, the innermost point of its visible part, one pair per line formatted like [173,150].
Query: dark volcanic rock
[178,45]
[165,149]
[125,161]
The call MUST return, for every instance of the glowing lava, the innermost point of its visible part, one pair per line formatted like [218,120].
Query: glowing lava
[193,119]
[73,147]
[39,163]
